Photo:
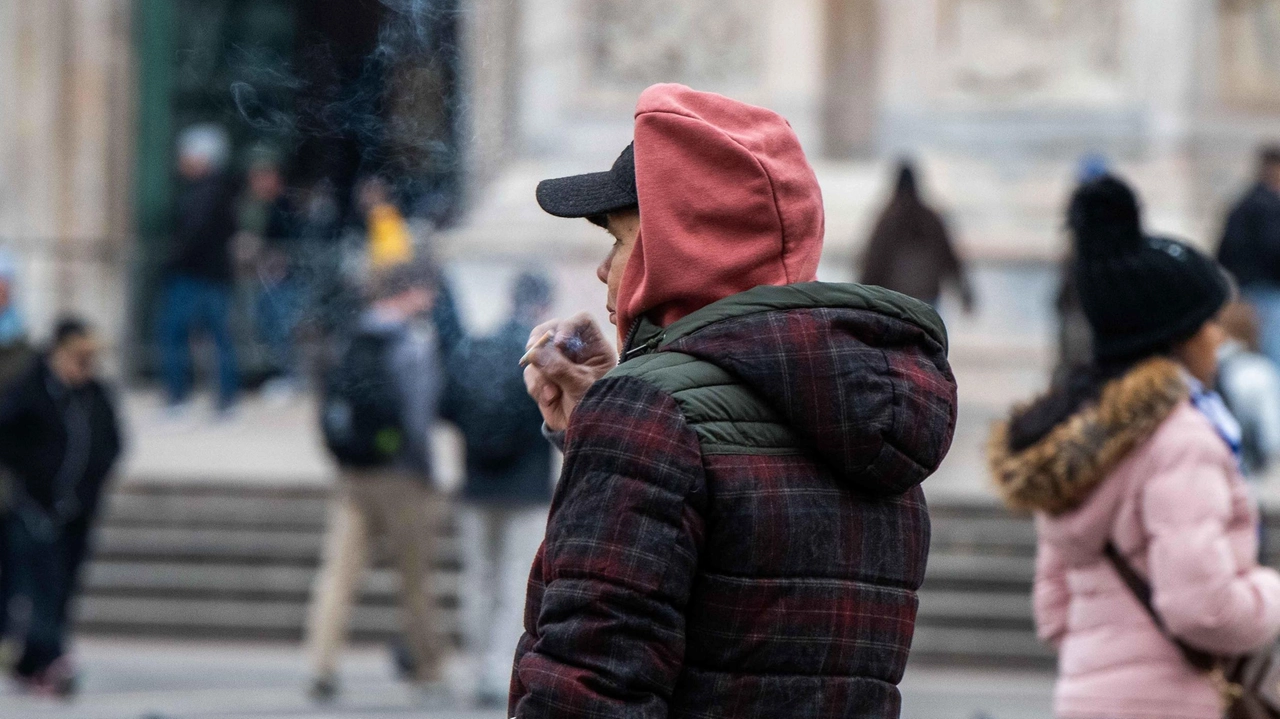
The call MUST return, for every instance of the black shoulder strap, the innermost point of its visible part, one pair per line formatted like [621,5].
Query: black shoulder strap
[1202,660]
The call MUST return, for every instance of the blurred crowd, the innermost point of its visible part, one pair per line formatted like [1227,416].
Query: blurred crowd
[290,263]
[372,331]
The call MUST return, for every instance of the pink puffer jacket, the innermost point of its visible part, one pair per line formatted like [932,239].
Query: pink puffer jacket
[1147,471]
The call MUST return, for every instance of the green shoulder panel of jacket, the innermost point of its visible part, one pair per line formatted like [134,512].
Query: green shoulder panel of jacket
[728,417]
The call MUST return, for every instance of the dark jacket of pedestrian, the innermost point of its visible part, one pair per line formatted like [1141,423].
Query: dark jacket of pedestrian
[60,440]
[204,226]
[739,529]
[910,250]
[508,459]
[61,443]
[1250,247]
[15,359]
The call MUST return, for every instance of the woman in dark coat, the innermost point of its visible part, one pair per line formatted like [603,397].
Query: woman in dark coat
[910,250]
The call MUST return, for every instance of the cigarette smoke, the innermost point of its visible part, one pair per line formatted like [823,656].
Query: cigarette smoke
[402,109]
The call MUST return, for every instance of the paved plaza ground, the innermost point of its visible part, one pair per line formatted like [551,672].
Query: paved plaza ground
[135,679]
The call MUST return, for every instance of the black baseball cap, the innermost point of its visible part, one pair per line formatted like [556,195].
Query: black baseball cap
[593,195]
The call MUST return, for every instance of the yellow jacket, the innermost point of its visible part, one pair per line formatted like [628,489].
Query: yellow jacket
[389,240]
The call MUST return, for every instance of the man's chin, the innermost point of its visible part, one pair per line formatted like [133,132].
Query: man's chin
[613,318]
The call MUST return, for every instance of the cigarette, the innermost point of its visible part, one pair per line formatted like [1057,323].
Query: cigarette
[542,342]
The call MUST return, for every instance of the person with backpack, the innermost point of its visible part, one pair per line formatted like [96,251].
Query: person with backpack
[508,485]
[739,530]
[1147,535]
[380,402]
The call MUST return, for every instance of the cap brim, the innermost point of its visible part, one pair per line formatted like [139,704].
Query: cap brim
[583,195]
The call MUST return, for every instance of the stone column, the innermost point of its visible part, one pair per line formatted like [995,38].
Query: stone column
[66,134]
[1165,43]
[490,53]
[793,58]
[850,102]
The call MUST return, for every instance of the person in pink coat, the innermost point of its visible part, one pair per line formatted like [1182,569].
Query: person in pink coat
[1134,452]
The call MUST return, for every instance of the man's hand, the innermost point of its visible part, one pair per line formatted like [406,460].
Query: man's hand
[562,368]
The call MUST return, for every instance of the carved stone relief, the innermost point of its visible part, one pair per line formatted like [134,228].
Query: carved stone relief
[1064,51]
[1250,52]
[712,43]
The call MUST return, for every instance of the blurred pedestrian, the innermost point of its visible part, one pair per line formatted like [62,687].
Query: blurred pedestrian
[60,438]
[15,357]
[267,216]
[739,528]
[1250,248]
[1132,469]
[910,250]
[508,484]
[198,282]
[389,240]
[1075,337]
[380,403]
[333,300]
[15,352]
[1250,384]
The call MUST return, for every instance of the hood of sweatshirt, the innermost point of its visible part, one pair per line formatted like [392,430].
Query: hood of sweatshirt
[858,375]
[728,202]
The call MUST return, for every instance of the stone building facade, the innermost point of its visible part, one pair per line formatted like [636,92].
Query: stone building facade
[1000,98]
[997,98]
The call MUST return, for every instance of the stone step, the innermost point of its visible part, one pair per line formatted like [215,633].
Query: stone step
[996,535]
[299,510]
[969,647]
[248,546]
[1008,610]
[226,618]
[949,567]
[278,583]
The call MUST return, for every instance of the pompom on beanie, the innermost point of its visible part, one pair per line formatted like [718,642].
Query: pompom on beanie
[1141,294]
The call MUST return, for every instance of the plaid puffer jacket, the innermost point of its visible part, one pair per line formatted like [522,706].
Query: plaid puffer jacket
[739,530]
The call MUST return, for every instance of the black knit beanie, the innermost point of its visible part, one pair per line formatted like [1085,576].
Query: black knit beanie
[1141,294]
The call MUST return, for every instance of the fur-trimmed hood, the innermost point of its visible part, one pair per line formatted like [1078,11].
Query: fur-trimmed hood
[1058,473]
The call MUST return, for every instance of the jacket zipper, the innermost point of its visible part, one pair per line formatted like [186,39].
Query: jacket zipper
[644,349]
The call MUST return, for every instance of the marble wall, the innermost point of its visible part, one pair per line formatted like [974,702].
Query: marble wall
[66,155]
[1249,38]
[999,99]
[585,61]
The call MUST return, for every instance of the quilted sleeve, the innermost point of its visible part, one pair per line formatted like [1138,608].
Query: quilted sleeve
[1051,597]
[618,562]
[1202,589]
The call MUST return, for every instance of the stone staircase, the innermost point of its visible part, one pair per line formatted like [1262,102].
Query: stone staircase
[975,606]
[225,562]
[238,562]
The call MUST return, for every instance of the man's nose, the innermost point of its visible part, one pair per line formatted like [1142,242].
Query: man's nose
[602,271]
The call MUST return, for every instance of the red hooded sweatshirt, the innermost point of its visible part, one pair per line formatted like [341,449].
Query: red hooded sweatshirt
[728,202]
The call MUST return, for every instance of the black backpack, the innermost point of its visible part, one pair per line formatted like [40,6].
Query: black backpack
[487,400]
[360,415]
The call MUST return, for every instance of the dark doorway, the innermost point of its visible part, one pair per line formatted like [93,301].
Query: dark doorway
[336,89]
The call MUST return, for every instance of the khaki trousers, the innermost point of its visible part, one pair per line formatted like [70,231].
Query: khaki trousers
[369,506]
